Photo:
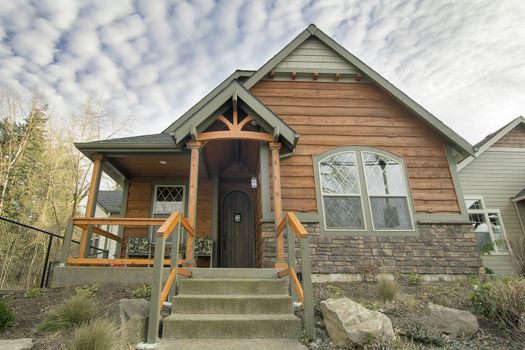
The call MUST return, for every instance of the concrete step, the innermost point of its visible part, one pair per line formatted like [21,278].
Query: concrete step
[230,326]
[232,304]
[226,273]
[231,344]
[233,286]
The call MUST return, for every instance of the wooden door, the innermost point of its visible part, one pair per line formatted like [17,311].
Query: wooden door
[237,231]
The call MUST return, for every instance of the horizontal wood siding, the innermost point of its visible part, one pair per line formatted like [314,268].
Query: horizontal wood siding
[313,54]
[497,176]
[329,115]
[138,206]
[204,207]
[513,139]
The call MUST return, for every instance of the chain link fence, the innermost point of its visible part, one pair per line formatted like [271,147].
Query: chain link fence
[27,253]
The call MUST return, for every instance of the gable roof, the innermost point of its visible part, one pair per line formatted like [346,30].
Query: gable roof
[204,116]
[312,31]
[491,139]
[243,80]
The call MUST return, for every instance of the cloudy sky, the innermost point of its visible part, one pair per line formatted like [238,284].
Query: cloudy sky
[462,60]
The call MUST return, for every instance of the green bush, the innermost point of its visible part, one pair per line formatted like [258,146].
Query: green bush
[332,292]
[7,316]
[34,293]
[142,292]
[98,334]
[387,288]
[78,309]
[421,332]
[502,301]
[414,279]
[91,289]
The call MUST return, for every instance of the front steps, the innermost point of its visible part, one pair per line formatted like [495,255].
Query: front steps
[232,309]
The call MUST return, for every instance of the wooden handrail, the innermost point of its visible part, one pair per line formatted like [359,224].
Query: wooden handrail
[128,261]
[167,286]
[102,232]
[297,285]
[296,226]
[187,226]
[118,221]
[169,225]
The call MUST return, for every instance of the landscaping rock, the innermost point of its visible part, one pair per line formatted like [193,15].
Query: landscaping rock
[350,322]
[522,322]
[456,323]
[131,315]
[16,344]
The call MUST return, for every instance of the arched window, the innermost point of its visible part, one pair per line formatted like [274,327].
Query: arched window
[363,189]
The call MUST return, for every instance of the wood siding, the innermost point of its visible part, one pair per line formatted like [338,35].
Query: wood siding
[513,139]
[315,56]
[329,115]
[497,176]
[138,206]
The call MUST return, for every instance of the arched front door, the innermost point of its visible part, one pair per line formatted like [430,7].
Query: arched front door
[238,231]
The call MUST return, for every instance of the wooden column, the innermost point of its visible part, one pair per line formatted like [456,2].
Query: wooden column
[277,201]
[195,148]
[91,206]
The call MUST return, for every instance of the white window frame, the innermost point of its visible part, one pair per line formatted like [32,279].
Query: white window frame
[368,221]
[359,195]
[485,212]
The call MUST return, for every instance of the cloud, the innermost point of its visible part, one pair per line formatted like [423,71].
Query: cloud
[154,59]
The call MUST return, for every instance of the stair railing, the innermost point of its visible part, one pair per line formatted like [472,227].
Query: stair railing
[176,221]
[295,230]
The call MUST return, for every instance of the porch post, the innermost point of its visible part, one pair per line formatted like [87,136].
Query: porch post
[195,148]
[277,201]
[98,160]
[123,208]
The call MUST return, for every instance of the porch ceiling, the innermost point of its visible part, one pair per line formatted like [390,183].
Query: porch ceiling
[152,166]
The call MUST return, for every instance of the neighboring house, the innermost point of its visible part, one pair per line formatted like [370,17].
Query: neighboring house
[315,131]
[493,182]
[108,205]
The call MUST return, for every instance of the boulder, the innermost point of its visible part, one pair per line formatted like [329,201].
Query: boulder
[350,322]
[522,322]
[131,317]
[16,344]
[456,323]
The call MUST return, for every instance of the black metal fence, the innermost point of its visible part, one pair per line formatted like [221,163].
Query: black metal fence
[27,253]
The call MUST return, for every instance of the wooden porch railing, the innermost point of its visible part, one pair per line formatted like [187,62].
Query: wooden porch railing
[160,293]
[295,230]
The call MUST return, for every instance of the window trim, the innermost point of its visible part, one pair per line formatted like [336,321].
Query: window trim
[359,195]
[367,211]
[486,211]
[154,195]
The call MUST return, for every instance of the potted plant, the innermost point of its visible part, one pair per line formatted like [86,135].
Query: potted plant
[203,246]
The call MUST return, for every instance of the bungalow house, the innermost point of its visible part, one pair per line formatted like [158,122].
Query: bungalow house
[493,182]
[314,145]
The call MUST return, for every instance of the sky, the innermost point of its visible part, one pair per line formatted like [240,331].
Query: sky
[464,61]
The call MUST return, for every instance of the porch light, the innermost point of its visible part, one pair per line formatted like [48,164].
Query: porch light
[254,182]
[163,162]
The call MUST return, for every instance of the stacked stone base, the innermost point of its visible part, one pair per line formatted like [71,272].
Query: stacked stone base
[439,249]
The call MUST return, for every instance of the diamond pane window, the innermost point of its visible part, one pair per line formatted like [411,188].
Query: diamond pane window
[339,174]
[384,176]
[390,213]
[474,204]
[343,212]
[167,200]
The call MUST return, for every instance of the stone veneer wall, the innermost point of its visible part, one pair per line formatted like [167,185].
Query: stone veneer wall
[438,249]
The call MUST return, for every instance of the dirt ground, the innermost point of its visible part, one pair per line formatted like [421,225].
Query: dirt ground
[410,304]
[30,311]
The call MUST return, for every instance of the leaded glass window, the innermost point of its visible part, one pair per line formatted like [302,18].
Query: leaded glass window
[387,192]
[361,188]
[168,198]
[341,192]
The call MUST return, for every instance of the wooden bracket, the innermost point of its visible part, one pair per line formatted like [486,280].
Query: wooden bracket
[316,76]
[337,76]
[358,76]
[293,75]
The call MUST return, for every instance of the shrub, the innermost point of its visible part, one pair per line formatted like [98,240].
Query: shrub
[98,334]
[33,293]
[332,292]
[142,292]
[502,301]
[413,279]
[517,254]
[421,332]
[91,289]
[7,316]
[78,309]
[368,271]
[387,288]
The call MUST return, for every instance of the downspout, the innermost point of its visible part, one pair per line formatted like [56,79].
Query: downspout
[289,154]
